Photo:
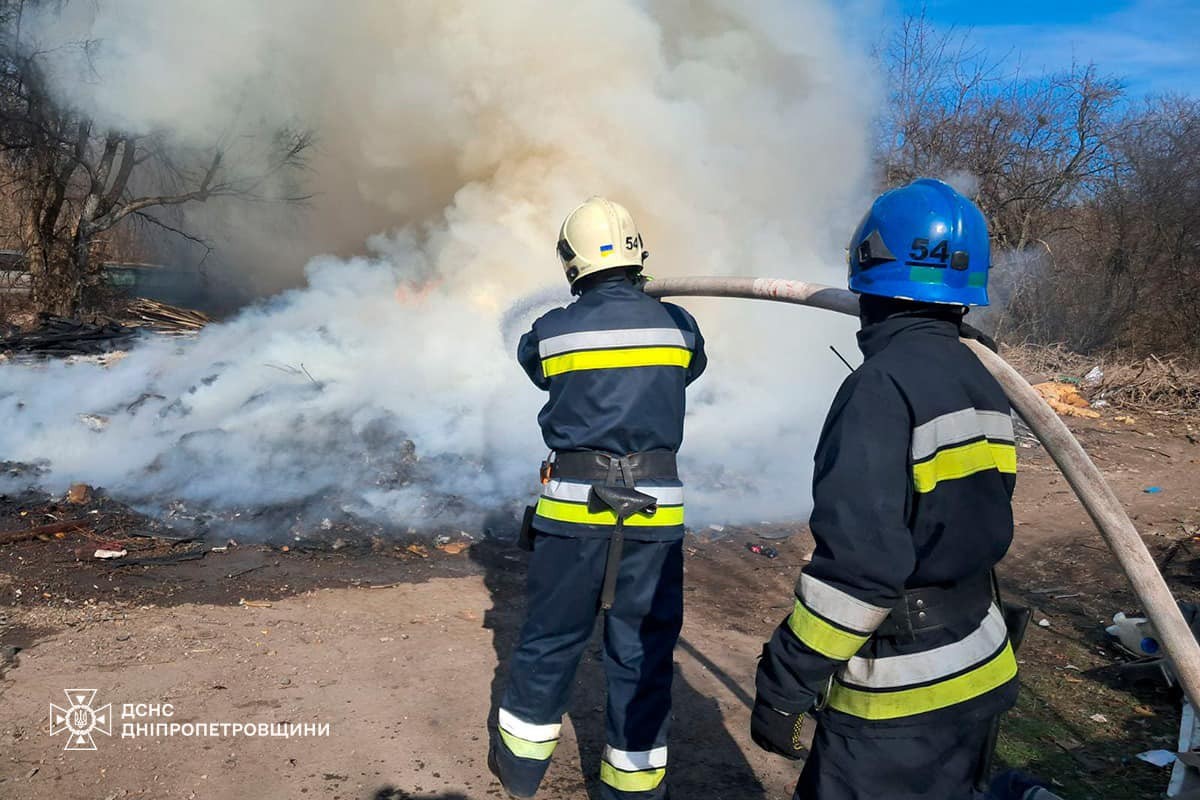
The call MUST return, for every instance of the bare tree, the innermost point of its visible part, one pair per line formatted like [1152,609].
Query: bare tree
[1128,271]
[1030,146]
[75,182]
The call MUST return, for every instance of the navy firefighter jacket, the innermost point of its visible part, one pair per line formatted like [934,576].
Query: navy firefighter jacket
[912,488]
[616,363]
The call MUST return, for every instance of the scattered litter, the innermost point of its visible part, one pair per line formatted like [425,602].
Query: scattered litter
[253,603]
[762,550]
[1128,420]
[104,553]
[441,540]
[1094,376]
[1065,596]
[1098,718]
[326,524]
[717,528]
[1152,490]
[1135,634]
[1100,404]
[1065,399]
[418,550]
[338,544]
[1159,758]
[94,421]
[220,549]
[79,493]
[453,548]
[1043,623]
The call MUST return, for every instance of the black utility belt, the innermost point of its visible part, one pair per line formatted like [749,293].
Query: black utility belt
[931,608]
[594,466]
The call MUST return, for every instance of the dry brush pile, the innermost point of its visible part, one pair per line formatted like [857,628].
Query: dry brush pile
[1163,385]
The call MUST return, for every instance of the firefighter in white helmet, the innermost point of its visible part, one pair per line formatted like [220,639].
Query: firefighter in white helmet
[607,531]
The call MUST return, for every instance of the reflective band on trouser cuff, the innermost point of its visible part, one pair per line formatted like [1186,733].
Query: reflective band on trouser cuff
[610,339]
[878,705]
[527,740]
[965,425]
[959,462]
[614,359]
[633,770]
[559,511]
[826,638]
[840,607]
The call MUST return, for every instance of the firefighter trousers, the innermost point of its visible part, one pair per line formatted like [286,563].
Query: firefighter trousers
[565,580]
[927,762]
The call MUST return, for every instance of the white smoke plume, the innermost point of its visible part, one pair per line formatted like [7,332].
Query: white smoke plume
[454,137]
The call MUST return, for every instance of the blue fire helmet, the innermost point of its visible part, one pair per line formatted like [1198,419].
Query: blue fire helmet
[923,242]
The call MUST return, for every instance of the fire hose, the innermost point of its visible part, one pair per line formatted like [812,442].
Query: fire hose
[1081,473]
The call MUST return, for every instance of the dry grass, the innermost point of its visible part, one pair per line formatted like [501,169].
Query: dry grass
[1169,385]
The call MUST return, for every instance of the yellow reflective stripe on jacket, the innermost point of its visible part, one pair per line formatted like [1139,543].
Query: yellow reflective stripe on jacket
[880,705]
[612,359]
[959,462]
[641,781]
[524,748]
[578,513]
[826,639]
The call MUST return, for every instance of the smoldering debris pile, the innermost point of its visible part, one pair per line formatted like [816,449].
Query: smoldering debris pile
[58,337]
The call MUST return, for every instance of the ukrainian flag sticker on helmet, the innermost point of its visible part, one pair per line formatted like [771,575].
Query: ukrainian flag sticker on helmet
[606,250]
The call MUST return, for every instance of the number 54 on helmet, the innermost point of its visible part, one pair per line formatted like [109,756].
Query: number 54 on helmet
[924,242]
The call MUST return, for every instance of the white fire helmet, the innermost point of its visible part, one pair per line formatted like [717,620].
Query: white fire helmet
[598,235]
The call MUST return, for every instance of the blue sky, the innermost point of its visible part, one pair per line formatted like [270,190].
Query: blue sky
[1154,45]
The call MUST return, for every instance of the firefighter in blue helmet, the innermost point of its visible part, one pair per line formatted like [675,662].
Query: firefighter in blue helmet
[607,530]
[898,641]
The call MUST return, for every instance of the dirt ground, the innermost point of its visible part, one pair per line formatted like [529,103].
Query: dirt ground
[395,646]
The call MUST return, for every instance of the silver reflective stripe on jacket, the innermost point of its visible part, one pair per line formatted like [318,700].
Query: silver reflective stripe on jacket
[894,672]
[960,426]
[839,607]
[629,337]
[572,492]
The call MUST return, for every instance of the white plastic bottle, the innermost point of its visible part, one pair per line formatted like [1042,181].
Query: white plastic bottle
[1135,634]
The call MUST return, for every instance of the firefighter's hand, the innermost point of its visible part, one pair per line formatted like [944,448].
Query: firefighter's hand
[777,731]
[971,332]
